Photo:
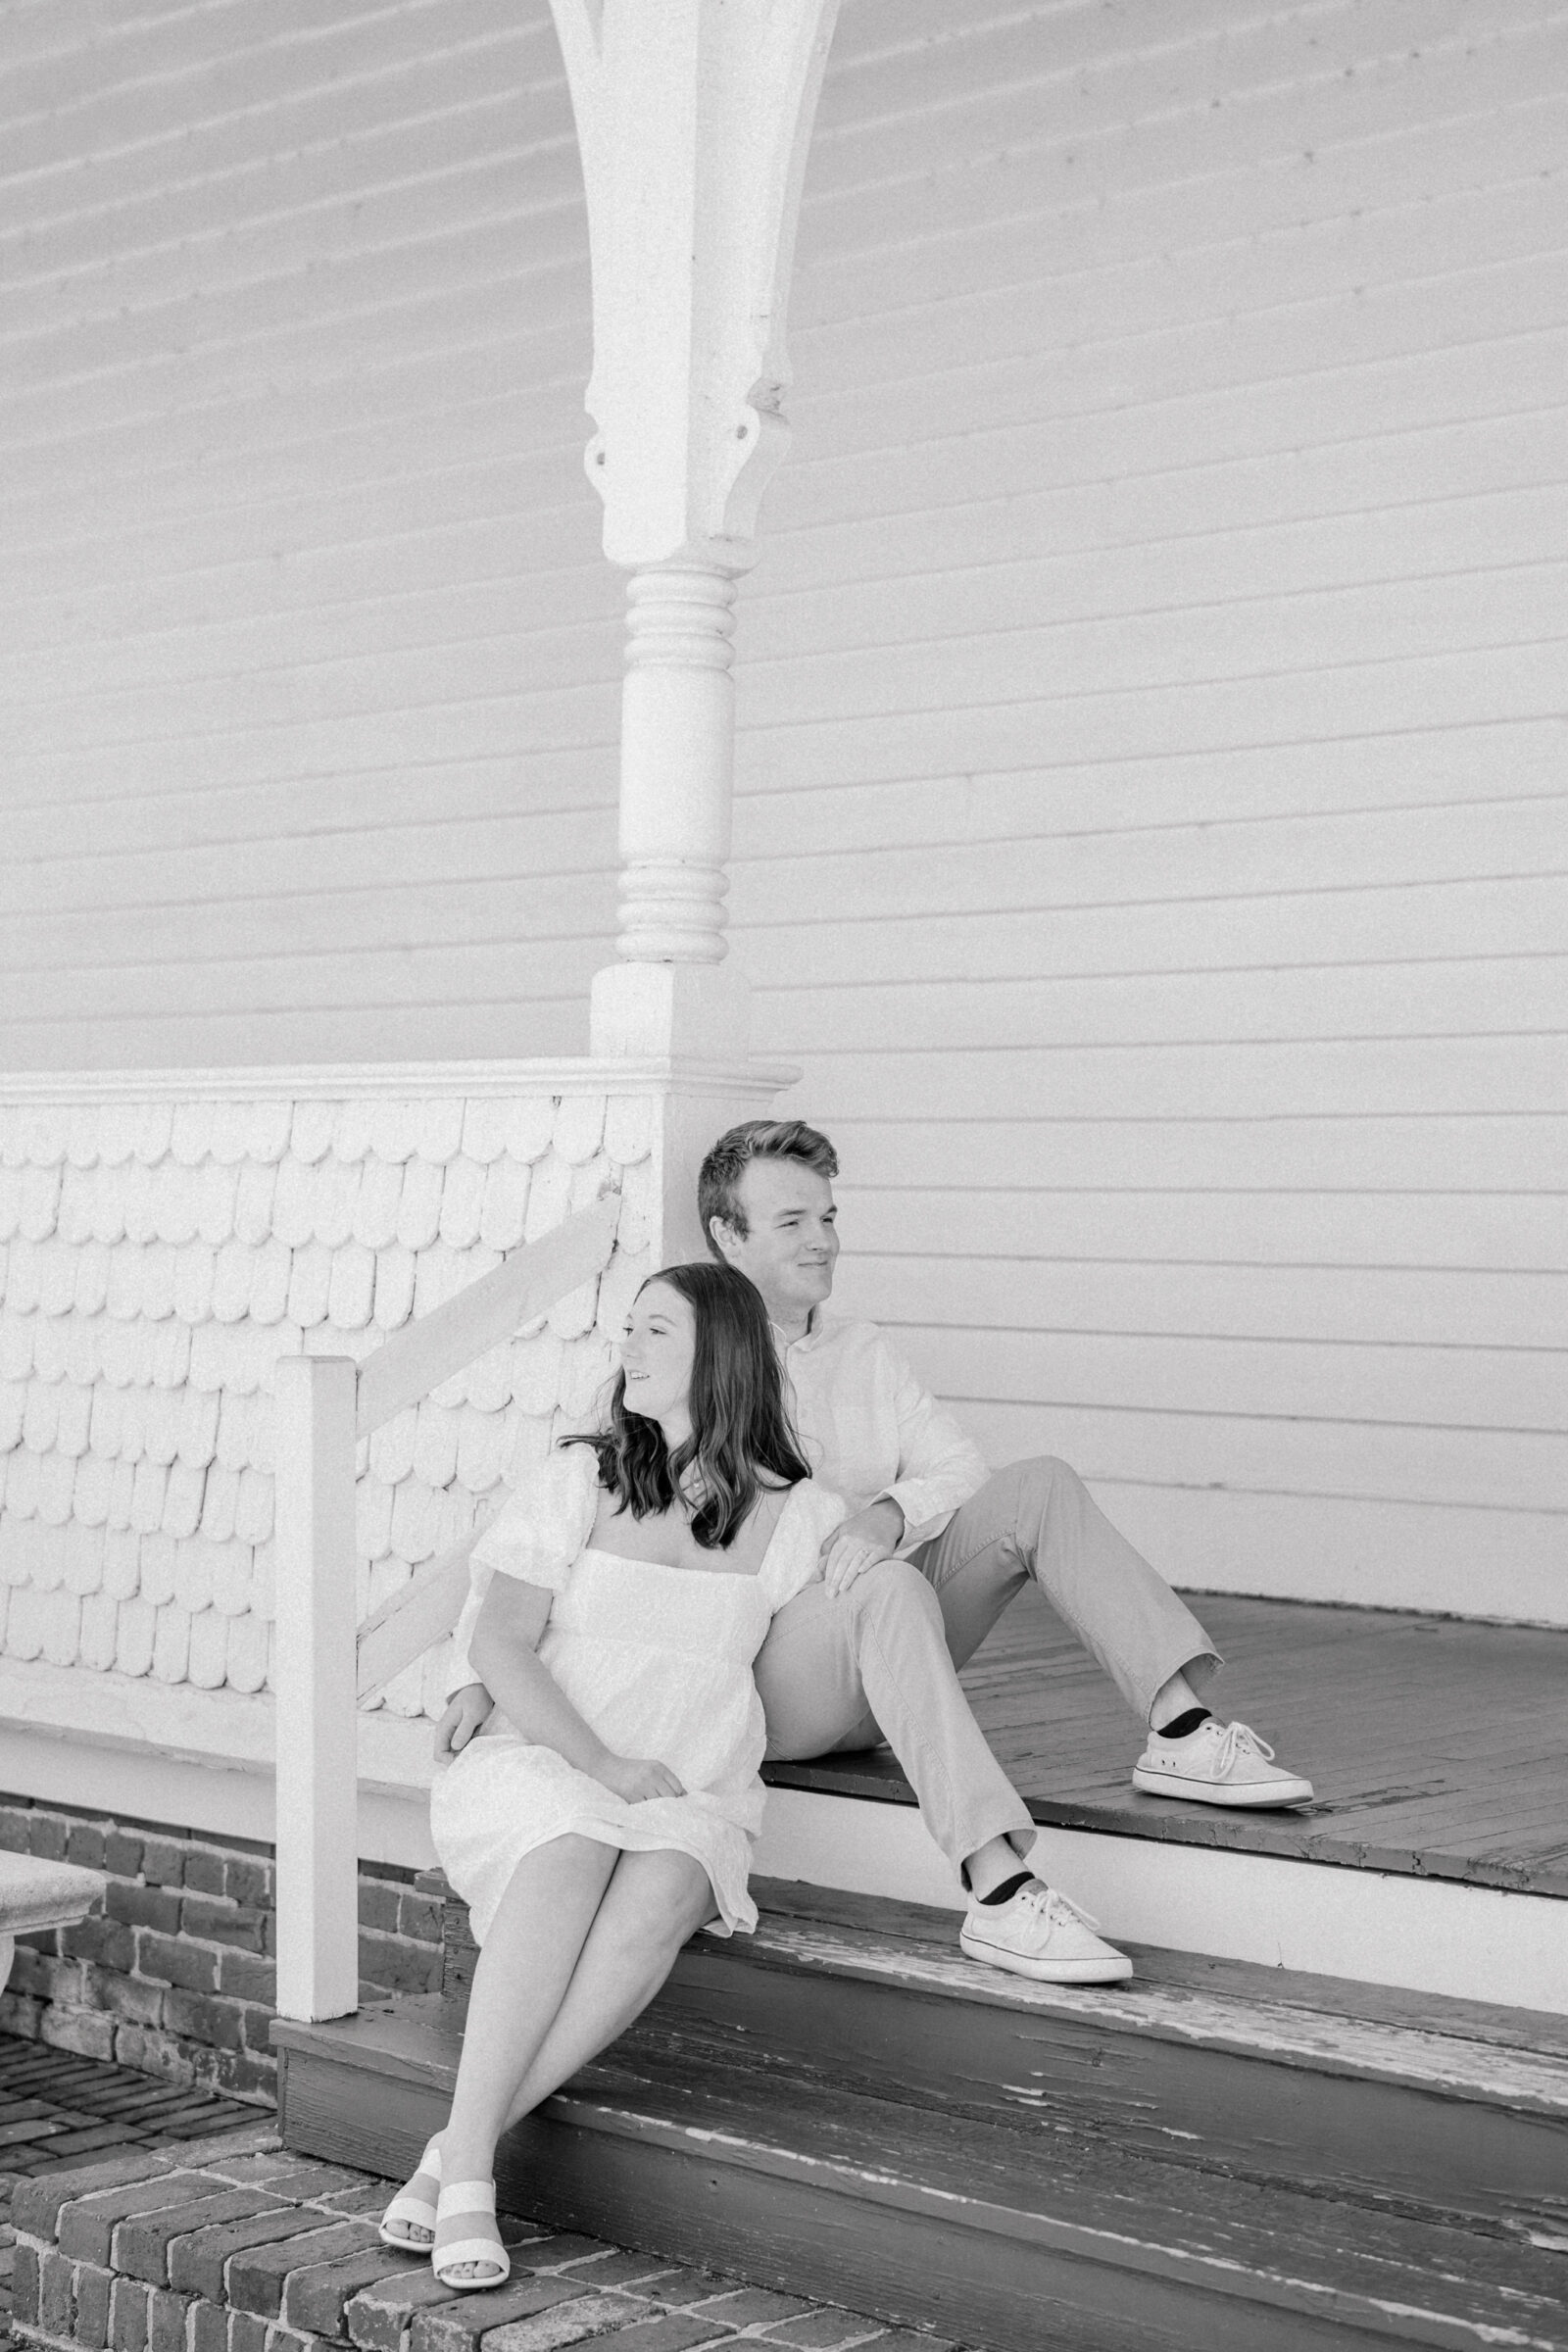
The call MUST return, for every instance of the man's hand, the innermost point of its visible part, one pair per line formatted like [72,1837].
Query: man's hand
[469,1709]
[635,1778]
[857,1542]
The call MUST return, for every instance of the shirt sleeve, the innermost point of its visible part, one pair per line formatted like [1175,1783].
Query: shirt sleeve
[536,1537]
[939,1467]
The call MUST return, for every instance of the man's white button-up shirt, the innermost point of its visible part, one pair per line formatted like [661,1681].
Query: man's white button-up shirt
[869,1429]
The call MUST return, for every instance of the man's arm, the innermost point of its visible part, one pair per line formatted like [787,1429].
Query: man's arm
[939,1467]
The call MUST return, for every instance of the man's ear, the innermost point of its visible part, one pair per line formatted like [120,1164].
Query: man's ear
[725,1238]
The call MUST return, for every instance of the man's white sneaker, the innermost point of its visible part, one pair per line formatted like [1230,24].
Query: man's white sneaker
[1219,1764]
[1038,1933]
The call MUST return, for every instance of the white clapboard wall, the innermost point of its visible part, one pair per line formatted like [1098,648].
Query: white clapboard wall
[1150,837]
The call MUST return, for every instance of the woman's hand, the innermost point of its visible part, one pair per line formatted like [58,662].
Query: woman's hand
[858,1542]
[636,1779]
[468,1712]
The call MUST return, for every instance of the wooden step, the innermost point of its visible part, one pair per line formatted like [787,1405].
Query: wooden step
[1433,1857]
[1210,2154]
[1019,2236]
[1264,2072]
[1329,1916]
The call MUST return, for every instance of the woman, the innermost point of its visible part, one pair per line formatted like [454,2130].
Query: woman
[606,1811]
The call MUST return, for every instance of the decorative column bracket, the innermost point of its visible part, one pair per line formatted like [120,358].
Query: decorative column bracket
[694,117]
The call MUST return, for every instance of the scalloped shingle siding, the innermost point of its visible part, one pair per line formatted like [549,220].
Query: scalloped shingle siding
[156,1259]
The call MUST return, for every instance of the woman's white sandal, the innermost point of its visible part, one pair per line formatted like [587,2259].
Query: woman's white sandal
[408,2207]
[470,2196]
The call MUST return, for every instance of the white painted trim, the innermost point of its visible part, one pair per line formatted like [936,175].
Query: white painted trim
[398,1081]
[194,1760]
[212,1800]
[215,1729]
[1476,1943]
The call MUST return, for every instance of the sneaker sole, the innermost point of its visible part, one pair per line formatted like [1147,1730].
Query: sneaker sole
[1050,1971]
[1222,1792]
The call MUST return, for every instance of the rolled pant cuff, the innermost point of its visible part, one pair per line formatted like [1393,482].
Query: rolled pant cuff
[1200,1667]
[1015,1825]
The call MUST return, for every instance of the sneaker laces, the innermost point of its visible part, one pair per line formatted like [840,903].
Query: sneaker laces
[1055,1907]
[1239,1740]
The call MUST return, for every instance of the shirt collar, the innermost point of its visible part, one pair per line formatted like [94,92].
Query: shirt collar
[817,1325]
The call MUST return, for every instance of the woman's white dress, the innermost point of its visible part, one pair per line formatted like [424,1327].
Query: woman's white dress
[657,1661]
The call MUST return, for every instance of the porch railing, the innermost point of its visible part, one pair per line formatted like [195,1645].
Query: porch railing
[326,1662]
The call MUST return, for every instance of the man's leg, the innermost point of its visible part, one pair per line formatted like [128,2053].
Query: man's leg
[872,1665]
[1037,1518]
[838,1674]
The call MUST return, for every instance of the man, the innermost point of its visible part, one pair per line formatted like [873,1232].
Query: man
[932,1551]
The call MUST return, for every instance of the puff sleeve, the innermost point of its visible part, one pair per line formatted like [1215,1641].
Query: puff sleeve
[536,1535]
[794,1559]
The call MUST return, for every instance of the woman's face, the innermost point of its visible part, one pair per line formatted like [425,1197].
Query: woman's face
[657,1352]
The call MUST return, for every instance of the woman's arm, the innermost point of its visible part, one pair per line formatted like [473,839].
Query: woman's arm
[504,1649]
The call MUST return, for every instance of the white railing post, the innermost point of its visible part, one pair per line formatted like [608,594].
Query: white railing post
[318,1767]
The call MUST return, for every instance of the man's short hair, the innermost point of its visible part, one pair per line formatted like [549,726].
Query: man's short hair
[718,1182]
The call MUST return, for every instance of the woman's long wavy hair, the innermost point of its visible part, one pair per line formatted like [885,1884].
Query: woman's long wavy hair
[741,1442]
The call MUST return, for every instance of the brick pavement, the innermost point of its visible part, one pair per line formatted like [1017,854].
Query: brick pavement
[193,2232]
[59,2111]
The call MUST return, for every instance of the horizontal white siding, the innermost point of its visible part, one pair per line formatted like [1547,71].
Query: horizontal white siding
[1150,831]
[1155,763]
[1154,829]
[310,659]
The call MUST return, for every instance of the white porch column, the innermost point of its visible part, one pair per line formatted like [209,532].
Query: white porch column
[693,118]
[316,1767]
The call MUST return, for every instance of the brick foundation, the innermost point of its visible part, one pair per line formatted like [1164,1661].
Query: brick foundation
[254,2250]
[176,1977]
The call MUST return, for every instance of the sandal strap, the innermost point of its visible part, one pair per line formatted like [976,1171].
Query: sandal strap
[406,2207]
[410,2206]
[488,2250]
[467,2196]
[476,2197]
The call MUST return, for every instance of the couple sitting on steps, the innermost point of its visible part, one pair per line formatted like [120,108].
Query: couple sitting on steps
[853,1583]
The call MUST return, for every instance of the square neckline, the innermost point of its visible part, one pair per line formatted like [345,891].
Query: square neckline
[734,1576]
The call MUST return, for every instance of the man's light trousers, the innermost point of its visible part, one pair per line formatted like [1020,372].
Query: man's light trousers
[879,1663]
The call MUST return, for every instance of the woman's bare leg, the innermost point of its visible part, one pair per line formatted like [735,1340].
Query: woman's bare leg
[653,1903]
[535,1944]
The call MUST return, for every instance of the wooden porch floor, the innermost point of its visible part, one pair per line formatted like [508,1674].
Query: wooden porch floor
[1436,1749]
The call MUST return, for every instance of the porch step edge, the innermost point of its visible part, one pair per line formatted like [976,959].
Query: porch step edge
[1435,1936]
[924,2205]
[1458,2049]
[1283,2033]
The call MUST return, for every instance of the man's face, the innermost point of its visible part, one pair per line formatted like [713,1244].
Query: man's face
[791,1242]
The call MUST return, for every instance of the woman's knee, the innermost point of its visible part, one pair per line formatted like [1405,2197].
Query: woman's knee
[674,1892]
[569,1862]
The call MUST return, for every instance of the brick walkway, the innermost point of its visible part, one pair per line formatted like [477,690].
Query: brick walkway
[59,2111]
[153,2219]
[56,2108]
